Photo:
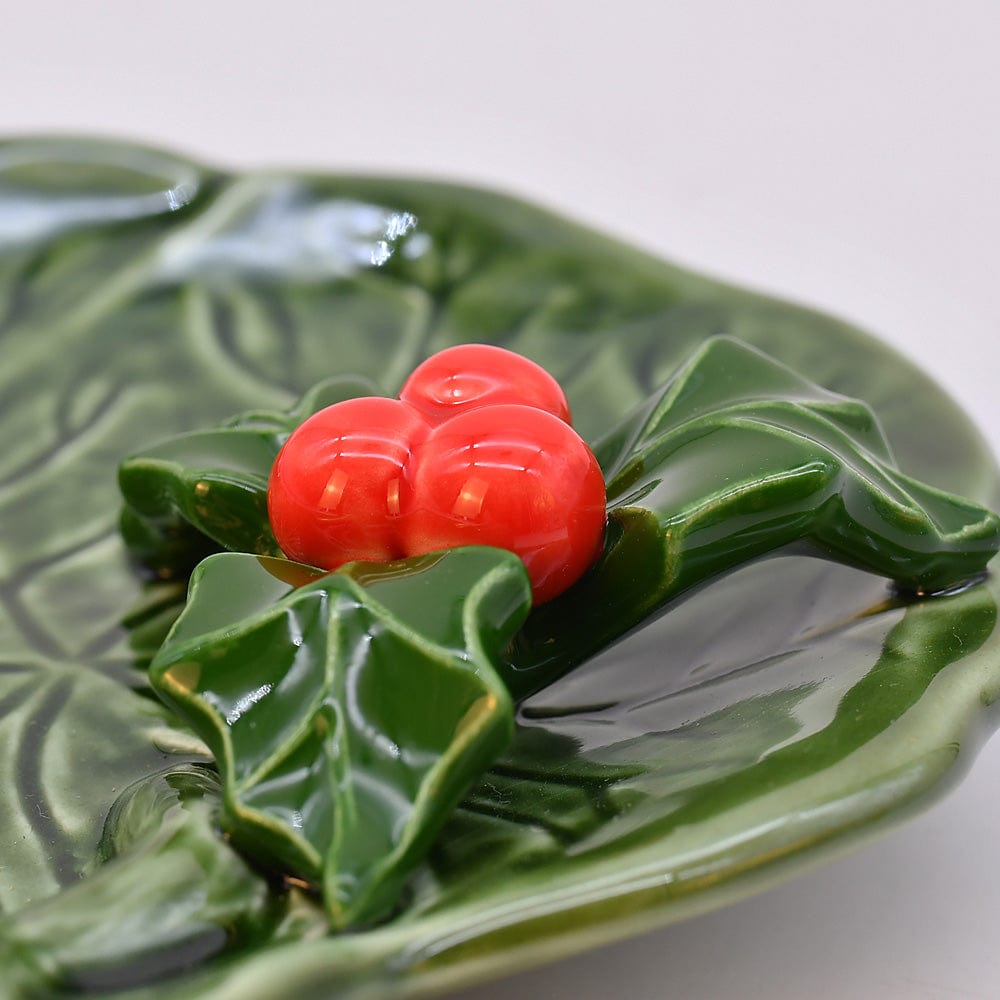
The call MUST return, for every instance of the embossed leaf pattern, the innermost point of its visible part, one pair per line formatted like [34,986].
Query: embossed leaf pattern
[143,296]
[347,718]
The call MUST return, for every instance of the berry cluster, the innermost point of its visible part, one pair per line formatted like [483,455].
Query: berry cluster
[477,450]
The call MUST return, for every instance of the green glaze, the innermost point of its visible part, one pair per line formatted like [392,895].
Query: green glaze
[210,486]
[767,719]
[346,717]
[735,457]
[161,835]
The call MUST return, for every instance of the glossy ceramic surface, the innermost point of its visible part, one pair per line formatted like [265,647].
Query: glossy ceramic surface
[768,717]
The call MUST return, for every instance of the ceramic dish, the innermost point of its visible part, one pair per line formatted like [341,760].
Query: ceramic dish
[768,719]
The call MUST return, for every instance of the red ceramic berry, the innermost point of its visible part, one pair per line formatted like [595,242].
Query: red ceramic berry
[340,481]
[472,375]
[514,477]
[477,451]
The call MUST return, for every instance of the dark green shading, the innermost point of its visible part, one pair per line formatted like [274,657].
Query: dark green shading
[929,637]
[348,715]
[915,651]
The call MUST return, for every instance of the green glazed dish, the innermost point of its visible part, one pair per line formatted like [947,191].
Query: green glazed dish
[767,718]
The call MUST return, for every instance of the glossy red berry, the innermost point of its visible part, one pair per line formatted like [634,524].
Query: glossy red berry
[472,375]
[477,451]
[514,477]
[340,481]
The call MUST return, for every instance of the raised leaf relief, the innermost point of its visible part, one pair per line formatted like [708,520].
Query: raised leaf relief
[347,719]
[734,458]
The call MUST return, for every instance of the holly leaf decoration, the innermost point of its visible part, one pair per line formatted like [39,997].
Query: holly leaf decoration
[198,492]
[349,713]
[736,457]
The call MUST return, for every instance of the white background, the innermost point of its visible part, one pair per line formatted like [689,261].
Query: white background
[844,154]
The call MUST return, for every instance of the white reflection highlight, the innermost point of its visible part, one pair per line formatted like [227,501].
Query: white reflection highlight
[399,224]
[25,218]
[269,226]
[52,185]
[381,252]
[247,702]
